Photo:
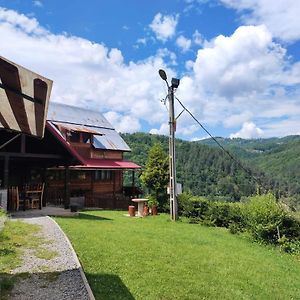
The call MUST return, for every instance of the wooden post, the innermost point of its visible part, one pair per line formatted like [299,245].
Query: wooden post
[44,180]
[6,172]
[114,187]
[92,186]
[67,187]
[133,189]
[23,143]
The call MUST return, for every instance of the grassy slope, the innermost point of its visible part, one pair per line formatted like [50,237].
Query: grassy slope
[153,258]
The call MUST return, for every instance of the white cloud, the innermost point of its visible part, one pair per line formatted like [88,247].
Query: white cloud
[246,62]
[163,130]
[235,80]
[198,38]
[183,43]
[196,138]
[142,41]
[283,128]
[22,23]
[243,77]
[86,73]
[281,17]
[167,54]
[164,27]
[123,123]
[38,3]
[237,119]
[248,131]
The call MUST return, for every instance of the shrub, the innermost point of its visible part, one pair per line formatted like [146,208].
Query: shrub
[201,210]
[266,220]
[289,246]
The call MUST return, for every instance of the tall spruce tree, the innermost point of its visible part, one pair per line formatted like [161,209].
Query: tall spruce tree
[156,174]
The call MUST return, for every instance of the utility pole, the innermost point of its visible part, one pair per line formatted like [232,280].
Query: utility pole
[172,161]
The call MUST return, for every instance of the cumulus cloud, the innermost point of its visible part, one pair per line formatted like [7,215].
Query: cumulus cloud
[198,38]
[86,73]
[164,27]
[123,123]
[248,131]
[183,43]
[243,77]
[142,41]
[236,80]
[38,3]
[246,62]
[281,17]
[10,18]
[162,130]
[165,53]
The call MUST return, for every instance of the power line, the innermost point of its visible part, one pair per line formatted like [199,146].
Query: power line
[256,179]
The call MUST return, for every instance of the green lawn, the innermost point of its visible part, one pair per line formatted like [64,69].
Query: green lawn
[153,258]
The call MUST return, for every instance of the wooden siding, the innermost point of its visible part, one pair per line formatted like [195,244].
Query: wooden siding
[105,193]
[106,154]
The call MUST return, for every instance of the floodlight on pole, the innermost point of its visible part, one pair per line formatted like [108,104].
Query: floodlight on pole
[172,126]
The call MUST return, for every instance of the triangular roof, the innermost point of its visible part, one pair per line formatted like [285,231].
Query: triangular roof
[108,138]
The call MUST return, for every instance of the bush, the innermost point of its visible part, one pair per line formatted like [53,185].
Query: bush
[201,210]
[267,220]
[289,246]
[264,218]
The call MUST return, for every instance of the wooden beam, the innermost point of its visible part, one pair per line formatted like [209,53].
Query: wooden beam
[10,140]
[133,177]
[32,155]
[23,143]
[6,172]
[67,187]
[92,186]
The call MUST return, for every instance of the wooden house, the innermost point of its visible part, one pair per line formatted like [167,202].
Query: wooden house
[79,159]
[98,177]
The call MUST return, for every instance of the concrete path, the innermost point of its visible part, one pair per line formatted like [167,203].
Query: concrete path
[59,276]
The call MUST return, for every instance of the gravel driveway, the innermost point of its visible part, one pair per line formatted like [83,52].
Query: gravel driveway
[57,277]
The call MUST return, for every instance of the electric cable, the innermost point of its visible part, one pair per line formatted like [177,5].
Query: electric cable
[256,179]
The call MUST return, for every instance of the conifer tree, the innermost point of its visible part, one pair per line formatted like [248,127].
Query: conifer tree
[156,174]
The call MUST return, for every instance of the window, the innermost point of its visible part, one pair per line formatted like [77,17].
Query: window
[56,175]
[74,137]
[78,175]
[103,175]
[86,138]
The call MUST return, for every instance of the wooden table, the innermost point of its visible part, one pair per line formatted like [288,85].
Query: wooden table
[140,203]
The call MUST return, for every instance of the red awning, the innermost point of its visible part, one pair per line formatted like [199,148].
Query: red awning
[106,164]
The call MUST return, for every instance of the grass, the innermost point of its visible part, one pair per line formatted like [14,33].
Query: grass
[45,253]
[14,239]
[153,258]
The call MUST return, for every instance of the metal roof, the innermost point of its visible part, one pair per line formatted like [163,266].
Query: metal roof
[110,140]
[77,128]
[110,164]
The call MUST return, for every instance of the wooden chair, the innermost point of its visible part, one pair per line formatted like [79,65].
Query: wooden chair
[37,196]
[16,200]
[13,198]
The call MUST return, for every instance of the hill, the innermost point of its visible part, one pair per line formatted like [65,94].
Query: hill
[204,170]
[279,158]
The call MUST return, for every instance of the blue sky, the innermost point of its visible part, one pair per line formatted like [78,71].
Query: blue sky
[238,61]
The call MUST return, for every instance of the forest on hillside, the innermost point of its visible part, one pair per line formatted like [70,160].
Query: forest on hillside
[208,171]
[279,158]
